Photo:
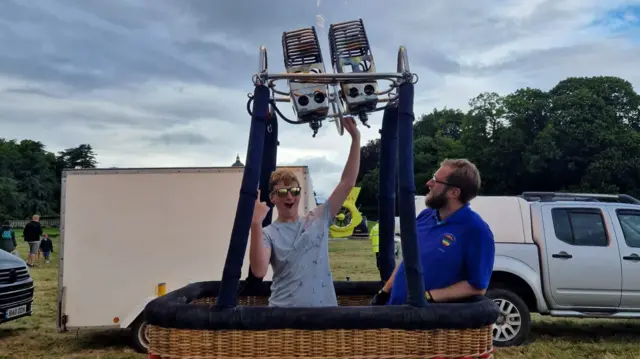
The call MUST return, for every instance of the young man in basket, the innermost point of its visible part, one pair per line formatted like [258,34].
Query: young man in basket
[297,247]
[456,245]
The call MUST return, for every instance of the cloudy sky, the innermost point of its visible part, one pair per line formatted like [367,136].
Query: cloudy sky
[164,83]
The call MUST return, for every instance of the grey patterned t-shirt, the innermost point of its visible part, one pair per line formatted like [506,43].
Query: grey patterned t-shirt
[300,261]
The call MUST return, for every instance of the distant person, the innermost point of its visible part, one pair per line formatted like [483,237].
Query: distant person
[46,247]
[8,238]
[374,236]
[32,232]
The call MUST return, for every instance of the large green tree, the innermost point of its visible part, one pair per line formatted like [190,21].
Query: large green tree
[581,135]
[30,176]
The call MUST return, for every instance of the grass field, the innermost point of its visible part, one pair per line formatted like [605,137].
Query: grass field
[36,337]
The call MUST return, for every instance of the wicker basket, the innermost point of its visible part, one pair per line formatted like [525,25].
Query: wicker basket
[183,324]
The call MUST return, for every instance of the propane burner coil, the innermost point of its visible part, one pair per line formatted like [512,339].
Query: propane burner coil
[351,53]
[302,54]
[351,89]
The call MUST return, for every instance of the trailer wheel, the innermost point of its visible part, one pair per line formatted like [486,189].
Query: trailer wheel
[140,335]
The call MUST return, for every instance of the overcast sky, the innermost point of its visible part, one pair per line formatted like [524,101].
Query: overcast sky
[168,79]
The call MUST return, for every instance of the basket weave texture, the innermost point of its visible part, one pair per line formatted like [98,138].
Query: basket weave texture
[175,342]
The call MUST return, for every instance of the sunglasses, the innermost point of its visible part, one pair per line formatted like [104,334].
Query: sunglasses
[282,192]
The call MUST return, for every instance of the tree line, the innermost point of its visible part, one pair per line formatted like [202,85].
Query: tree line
[583,135]
[31,176]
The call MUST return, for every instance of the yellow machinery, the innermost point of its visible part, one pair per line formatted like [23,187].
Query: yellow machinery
[348,218]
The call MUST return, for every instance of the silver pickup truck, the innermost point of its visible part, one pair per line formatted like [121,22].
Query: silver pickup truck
[561,255]
[16,288]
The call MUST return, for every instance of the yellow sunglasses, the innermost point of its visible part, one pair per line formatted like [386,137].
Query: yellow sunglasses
[282,192]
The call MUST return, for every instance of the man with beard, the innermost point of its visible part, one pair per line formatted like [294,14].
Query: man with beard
[456,245]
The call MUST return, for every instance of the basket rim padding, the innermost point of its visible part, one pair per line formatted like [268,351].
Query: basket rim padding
[174,310]
[263,288]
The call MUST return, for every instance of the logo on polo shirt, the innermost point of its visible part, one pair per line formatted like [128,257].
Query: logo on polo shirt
[447,239]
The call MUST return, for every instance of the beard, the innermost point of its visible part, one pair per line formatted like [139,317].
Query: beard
[436,201]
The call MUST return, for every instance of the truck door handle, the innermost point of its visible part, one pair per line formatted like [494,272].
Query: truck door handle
[562,254]
[632,257]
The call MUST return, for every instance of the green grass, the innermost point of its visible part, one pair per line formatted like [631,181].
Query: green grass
[36,337]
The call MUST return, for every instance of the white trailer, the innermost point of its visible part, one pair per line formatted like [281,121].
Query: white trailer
[124,231]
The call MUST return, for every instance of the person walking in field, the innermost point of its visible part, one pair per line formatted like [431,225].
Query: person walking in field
[8,238]
[32,232]
[46,247]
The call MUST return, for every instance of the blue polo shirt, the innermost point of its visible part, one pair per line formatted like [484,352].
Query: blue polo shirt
[459,248]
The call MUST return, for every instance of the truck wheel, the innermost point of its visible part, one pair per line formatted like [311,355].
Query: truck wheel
[514,323]
[397,249]
[140,335]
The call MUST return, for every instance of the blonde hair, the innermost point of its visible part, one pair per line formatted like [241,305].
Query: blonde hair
[465,176]
[286,176]
[35,217]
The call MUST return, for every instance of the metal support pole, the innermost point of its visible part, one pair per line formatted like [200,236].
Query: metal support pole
[228,295]
[387,190]
[406,196]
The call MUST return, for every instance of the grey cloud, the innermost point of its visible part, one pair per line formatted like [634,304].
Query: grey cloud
[100,116]
[318,164]
[263,24]
[180,139]
[435,60]
[168,79]
[31,91]
[93,45]
[576,60]
[325,174]
[464,26]
[183,113]
[251,18]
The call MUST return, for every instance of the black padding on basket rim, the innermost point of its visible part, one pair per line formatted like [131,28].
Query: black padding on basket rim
[263,289]
[343,288]
[174,311]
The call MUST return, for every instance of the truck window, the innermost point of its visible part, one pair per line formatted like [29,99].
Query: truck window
[580,227]
[630,223]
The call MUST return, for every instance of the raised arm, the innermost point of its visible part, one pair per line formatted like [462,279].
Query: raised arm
[259,246]
[350,172]
[259,251]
